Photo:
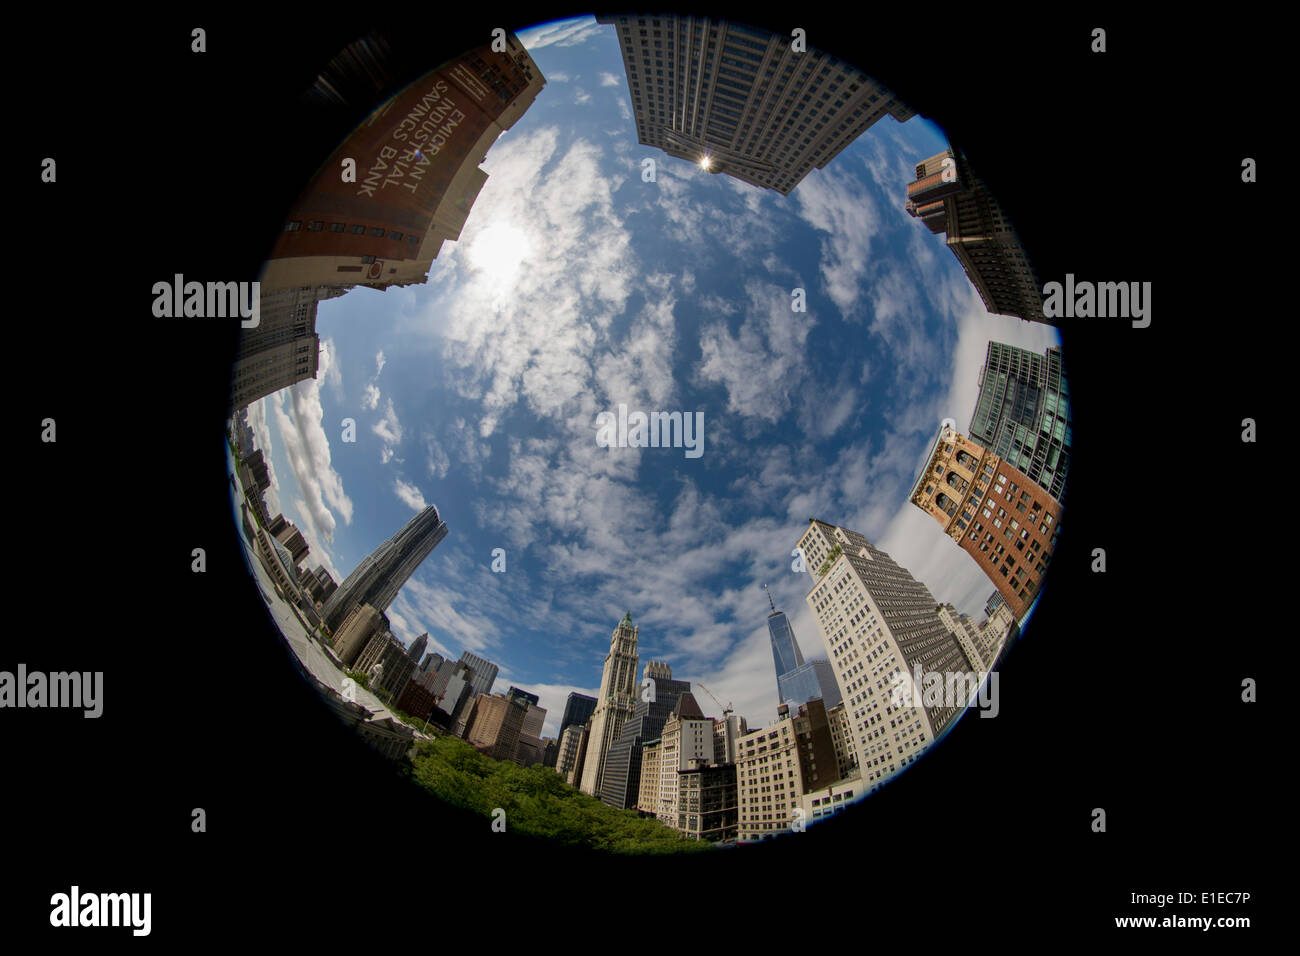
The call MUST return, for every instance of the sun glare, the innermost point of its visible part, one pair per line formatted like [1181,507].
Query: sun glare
[499,249]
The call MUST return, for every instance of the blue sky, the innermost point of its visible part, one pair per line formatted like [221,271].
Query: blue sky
[576,286]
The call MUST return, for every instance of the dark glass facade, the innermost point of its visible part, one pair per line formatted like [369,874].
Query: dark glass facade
[577,709]
[785,649]
[813,679]
[621,779]
[1022,414]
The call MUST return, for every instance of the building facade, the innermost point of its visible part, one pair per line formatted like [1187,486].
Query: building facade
[569,750]
[647,801]
[618,696]
[494,724]
[817,805]
[1022,414]
[416,700]
[381,574]
[416,176]
[686,743]
[577,708]
[534,716]
[361,624]
[846,754]
[726,731]
[283,348]
[815,678]
[879,624]
[777,765]
[998,516]
[707,803]
[967,633]
[385,663]
[482,673]
[621,779]
[416,650]
[742,101]
[948,198]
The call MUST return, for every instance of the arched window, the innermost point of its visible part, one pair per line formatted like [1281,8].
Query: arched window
[966,460]
[946,504]
[956,481]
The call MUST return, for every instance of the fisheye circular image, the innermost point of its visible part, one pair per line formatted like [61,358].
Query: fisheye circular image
[618,448]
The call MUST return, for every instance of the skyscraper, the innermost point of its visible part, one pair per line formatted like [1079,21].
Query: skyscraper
[484,673]
[417,646]
[949,198]
[381,574]
[879,623]
[534,716]
[797,681]
[621,780]
[785,649]
[743,101]
[618,695]
[1022,414]
[493,725]
[283,348]
[576,710]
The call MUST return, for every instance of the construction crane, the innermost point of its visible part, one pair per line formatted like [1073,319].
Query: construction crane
[726,711]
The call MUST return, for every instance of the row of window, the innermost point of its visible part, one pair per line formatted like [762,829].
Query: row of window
[376,232]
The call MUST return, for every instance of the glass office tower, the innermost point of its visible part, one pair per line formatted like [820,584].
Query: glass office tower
[1022,414]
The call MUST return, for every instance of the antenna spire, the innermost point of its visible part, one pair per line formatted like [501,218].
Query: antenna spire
[769,598]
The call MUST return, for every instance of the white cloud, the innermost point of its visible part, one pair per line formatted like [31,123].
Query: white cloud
[409,495]
[438,462]
[389,430]
[262,439]
[552,698]
[763,364]
[448,608]
[528,334]
[370,394]
[331,372]
[608,79]
[564,33]
[836,204]
[308,450]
